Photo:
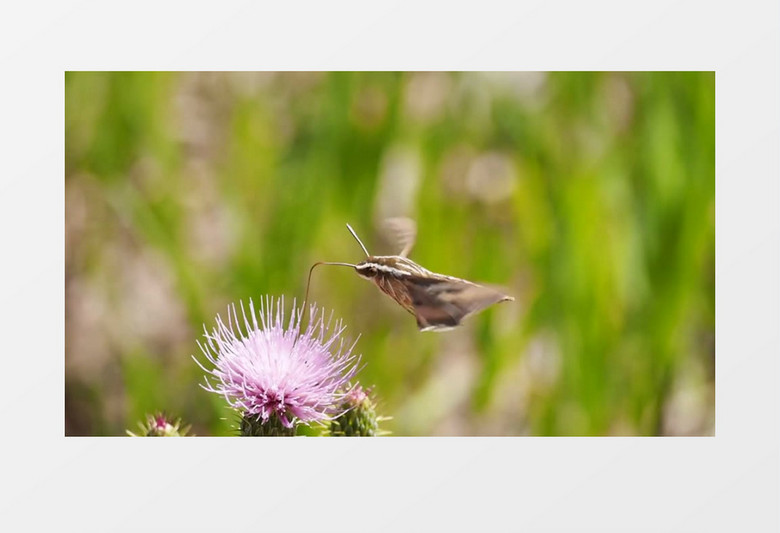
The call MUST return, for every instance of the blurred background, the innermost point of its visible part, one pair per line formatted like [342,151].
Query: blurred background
[588,196]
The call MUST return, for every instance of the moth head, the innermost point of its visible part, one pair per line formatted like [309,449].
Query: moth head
[366,269]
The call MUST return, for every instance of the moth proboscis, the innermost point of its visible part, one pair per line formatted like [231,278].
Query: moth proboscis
[437,301]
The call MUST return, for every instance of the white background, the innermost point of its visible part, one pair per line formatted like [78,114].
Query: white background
[729,482]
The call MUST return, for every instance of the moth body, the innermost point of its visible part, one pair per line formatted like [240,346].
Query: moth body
[437,301]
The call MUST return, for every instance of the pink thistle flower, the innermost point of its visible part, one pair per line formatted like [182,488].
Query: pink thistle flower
[274,374]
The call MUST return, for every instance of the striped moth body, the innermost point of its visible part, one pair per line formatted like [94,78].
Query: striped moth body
[438,302]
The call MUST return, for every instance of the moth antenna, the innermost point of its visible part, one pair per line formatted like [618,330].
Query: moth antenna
[358,240]
[308,281]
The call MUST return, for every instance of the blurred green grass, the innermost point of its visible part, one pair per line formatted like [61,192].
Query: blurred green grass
[589,196]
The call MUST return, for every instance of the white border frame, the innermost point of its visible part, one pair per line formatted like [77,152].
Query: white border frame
[729,482]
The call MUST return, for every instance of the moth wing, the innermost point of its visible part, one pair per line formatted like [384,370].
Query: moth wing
[441,303]
[403,232]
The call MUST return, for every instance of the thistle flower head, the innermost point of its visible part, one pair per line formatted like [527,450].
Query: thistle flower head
[275,375]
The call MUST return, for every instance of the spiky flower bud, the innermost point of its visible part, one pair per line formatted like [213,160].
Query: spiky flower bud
[358,418]
[160,425]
